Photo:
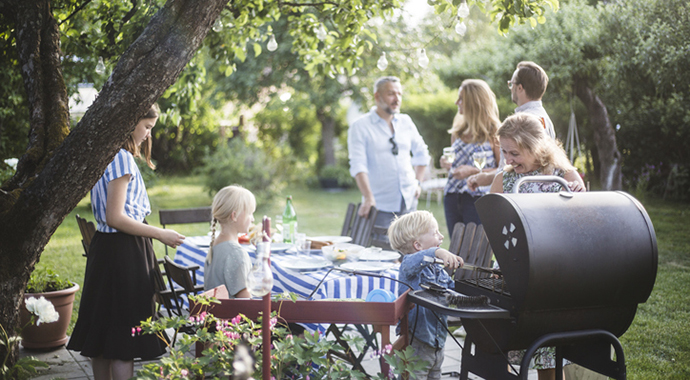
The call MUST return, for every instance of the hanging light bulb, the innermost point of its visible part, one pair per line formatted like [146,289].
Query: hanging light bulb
[321,33]
[272,44]
[100,66]
[463,10]
[423,59]
[460,28]
[217,26]
[383,62]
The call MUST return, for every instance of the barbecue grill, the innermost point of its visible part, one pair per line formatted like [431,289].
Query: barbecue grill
[575,267]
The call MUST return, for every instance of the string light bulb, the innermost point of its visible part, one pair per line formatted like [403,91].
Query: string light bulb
[382,62]
[463,10]
[217,26]
[423,59]
[321,33]
[460,28]
[100,66]
[272,44]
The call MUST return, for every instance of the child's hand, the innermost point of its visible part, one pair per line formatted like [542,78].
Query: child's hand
[449,259]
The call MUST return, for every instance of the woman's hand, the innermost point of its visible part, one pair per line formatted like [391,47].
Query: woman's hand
[445,164]
[463,171]
[449,260]
[576,186]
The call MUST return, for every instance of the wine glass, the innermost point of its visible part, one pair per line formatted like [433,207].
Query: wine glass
[479,159]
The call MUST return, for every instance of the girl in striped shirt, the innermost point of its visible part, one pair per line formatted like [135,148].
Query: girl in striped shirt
[118,286]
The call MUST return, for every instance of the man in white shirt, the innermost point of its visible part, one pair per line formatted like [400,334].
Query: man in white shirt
[387,155]
[527,87]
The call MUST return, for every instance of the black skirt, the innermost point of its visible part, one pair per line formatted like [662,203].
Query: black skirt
[118,294]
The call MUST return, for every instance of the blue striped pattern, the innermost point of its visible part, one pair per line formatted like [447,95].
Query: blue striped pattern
[337,285]
[137,204]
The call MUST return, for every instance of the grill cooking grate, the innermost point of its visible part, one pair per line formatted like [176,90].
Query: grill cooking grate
[495,285]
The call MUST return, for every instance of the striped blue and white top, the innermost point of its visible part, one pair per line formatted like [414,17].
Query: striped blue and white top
[137,204]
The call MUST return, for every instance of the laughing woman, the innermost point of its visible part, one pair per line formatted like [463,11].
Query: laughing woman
[529,151]
[118,286]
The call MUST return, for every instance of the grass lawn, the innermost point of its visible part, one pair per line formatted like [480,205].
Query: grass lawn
[657,345]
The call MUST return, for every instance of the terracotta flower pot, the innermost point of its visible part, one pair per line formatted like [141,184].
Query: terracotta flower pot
[49,335]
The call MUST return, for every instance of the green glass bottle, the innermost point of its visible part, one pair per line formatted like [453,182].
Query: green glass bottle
[289,222]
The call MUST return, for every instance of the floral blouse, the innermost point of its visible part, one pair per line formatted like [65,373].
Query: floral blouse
[509,179]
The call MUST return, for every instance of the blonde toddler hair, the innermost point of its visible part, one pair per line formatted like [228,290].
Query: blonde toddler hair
[528,133]
[407,229]
[229,199]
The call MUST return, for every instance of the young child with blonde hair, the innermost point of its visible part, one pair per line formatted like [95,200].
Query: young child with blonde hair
[416,236]
[227,262]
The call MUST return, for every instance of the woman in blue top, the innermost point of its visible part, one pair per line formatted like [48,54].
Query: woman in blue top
[474,132]
[118,285]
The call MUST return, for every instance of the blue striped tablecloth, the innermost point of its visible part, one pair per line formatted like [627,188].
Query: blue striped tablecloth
[336,285]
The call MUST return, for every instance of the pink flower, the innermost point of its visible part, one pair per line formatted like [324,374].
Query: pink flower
[134,331]
[273,322]
[388,348]
[289,336]
[138,330]
[236,320]
[184,372]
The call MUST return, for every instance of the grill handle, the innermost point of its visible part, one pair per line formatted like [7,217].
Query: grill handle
[541,178]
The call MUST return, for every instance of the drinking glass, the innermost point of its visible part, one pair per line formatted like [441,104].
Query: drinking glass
[449,154]
[479,159]
[302,244]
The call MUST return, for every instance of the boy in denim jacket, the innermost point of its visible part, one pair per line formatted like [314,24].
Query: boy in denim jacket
[416,236]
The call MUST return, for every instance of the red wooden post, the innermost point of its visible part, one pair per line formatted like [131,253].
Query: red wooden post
[266,335]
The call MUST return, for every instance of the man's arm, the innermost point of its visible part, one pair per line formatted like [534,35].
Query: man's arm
[362,180]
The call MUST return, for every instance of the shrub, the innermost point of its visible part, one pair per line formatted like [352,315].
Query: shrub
[339,173]
[45,280]
[245,165]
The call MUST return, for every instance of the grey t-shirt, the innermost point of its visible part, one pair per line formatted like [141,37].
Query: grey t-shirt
[230,267]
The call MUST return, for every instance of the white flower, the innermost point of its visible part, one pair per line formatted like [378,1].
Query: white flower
[43,309]
[12,162]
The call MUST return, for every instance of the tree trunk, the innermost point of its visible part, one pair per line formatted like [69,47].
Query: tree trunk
[59,168]
[328,136]
[604,137]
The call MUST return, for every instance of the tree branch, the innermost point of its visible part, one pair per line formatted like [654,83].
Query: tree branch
[79,8]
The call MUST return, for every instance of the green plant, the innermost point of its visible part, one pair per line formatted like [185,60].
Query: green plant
[25,367]
[339,173]
[291,356]
[45,280]
[246,165]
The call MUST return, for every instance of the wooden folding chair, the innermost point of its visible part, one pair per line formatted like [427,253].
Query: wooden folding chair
[87,229]
[185,277]
[349,218]
[357,227]
[184,216]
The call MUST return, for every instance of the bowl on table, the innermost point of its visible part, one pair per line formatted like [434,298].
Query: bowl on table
[342,252]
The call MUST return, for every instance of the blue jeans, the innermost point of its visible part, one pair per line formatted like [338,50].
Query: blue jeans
[459,207]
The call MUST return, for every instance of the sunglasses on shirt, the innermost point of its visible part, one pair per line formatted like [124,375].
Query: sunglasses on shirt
[394,149]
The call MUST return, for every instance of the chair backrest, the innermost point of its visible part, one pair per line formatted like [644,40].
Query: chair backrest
[349,218]
[87,229]
[179,274]
[363,227]
[379,238]
[184,216]
[470,242]
[164,296]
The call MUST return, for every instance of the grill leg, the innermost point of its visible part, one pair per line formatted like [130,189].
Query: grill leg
[486,365]
[589,348]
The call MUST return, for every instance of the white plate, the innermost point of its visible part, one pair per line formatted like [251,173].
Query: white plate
[280,247]
[306,263]
[332,239]
[199,241]
[373,255]
[368,266]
